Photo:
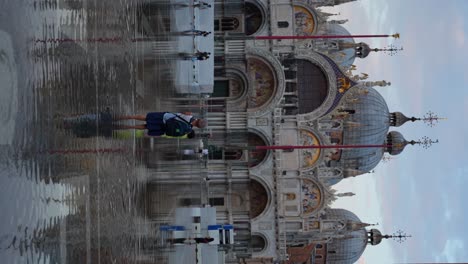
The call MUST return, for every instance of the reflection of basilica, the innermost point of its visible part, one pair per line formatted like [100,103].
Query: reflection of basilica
[294,93]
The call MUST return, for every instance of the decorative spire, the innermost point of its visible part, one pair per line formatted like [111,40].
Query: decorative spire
[342,21]
[354,226]
[431,119]
[390,49]
[329,14]
[425,142]
[382,83]
[374,236]
[386,158]
[397,142]
[348,194]
[399,236]
[397,119]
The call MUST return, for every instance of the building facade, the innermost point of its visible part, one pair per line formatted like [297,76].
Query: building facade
[282,92]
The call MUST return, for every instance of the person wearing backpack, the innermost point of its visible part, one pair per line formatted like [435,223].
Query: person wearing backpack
[165,123]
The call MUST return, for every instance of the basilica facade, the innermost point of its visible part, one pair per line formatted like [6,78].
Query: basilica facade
[283,93]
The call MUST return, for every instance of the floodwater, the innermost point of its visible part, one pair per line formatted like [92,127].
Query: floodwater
[68,197]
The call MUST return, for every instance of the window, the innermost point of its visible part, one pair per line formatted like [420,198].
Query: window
[221,88]
[217,201]
[253,18]
[283,24]
[189,201]
[318,257]
[319,246]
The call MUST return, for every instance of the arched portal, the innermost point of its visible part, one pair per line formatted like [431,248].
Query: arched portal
[258,198]
[258,243]
[311,84]
[256,156]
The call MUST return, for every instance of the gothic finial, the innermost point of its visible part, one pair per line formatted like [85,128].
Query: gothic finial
[382,83]
[399,236]
[386,159]
[431,119]
[389,50]
[425,142]
[349,194]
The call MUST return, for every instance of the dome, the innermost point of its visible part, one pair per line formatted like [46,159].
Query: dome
[350,247]
[366,123]
[362,50]
[375,237]
[397,142]
[345,57]
[397,119]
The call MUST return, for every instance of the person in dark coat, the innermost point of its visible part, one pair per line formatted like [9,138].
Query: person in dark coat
[156,121]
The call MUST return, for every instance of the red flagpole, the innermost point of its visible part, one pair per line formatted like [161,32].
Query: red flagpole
[319,147]
[397,35]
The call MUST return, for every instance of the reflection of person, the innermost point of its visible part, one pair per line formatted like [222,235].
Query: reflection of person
[176,240]
[202,5]
[196,32]
[204,240]
[196,56]
[160,123]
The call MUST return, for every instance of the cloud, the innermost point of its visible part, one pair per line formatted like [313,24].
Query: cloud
[452,251]
[459,32]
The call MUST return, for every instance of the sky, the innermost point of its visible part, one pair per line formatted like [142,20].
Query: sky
[421,190]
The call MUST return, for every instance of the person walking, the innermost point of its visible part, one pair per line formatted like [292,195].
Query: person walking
[202,5]
[165,123]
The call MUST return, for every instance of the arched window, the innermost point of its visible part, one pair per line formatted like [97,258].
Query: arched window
[311,84]
[258,243]
[318,257]
[258,196]
[253,18]
[319,246]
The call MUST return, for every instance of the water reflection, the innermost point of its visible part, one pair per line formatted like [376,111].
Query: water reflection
[69,197]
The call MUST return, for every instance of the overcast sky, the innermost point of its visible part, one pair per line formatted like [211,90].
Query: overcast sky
[420,191]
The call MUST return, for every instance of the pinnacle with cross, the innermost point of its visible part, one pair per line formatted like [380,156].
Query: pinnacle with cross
[399,236]
[390,50]
[431,119]
[425,142]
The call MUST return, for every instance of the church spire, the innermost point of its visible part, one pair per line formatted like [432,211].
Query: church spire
[389,50]
[348,194]
[339,2]
[397,142]
[398,119]
[374,236]
[382,83]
